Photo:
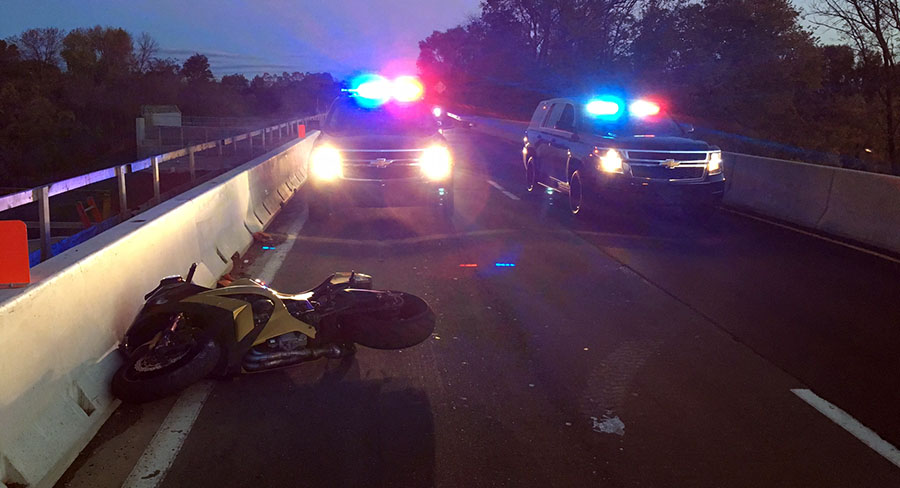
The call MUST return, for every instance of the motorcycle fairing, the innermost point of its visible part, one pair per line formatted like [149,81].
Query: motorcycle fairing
[280,321]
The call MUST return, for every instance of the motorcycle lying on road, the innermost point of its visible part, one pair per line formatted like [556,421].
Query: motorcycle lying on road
[186,332]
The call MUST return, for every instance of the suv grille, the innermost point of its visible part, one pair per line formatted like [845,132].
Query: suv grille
[650,164]
[353,155]
[363,164]
[660,156]
[392,171]
[663,173]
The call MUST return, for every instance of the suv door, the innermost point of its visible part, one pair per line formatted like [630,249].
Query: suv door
[544,138]
[560,138]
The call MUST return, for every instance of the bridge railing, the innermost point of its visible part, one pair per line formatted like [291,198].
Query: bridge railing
[41,195]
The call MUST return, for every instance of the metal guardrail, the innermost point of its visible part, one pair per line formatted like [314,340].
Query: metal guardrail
[42,194]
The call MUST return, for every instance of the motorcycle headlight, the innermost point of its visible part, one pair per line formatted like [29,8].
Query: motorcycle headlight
[325,164]
[436,163]
[610,161]
[714,166]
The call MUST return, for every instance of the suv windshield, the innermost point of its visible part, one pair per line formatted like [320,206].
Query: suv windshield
[632,126]
[348,118]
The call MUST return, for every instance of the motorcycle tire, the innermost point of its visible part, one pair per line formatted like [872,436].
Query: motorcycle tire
[399,328]
[133,386]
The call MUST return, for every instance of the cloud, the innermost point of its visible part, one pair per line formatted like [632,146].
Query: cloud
[209,54]
[260,68]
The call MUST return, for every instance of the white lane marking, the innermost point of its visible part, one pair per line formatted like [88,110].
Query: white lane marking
[502,190]
[707,241]
[276,257]
[851,425]
[406,240]
[813,234]
[156,460]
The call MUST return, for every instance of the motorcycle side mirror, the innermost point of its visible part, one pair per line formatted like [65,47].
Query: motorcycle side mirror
[361,281]
[190,275]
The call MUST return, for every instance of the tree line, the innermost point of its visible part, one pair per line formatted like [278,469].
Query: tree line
[748,73]
[68,100]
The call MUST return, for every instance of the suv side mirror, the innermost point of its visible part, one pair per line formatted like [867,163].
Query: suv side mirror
[688,128]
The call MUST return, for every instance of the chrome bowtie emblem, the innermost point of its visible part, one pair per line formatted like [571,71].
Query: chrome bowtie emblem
[670,163]
[381,163]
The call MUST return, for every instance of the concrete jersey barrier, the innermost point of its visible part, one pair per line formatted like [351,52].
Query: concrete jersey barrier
[864,207]
[59,335]
[856,205]
[794,192]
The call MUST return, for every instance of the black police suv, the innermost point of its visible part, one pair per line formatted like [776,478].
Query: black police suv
[608,150]
[389,155]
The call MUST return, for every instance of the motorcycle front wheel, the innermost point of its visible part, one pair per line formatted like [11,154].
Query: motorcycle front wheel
[151,374]
[407,323]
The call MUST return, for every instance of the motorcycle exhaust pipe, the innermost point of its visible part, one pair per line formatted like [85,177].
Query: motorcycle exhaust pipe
[285,358]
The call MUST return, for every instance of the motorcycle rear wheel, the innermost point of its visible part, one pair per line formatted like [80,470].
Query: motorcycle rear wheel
[399,327]
[134,382]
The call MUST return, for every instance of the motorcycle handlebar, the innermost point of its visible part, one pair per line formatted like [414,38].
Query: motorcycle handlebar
[190,275]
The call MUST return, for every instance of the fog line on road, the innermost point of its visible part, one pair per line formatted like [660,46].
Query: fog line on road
[156,460]
[502,190]
[866,435]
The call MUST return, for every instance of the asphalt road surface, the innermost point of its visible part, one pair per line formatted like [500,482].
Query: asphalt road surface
[628,348]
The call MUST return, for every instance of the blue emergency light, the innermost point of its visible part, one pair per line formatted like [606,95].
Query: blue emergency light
[606,106]
[372,90]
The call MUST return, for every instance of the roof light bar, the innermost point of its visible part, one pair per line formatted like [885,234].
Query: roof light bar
[643,108]
[407,89]
[374,89]
[607,106]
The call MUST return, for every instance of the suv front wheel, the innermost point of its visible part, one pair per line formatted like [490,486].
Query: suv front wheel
[576,193]
[530,175]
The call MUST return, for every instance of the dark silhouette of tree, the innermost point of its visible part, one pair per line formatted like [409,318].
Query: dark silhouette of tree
[9,54]
[145,50]
[236,82]
[196,69]
[56,123]
[102,53]
[42,44]
[873,28]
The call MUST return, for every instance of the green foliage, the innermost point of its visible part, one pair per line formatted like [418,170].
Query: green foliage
[742,67]
[55,124]
[196,69]
[99,53]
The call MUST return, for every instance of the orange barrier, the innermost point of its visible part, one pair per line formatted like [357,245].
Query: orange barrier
[301,131]
[14,270]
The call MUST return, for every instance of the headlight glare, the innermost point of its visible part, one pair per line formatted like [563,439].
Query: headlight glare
[610,161]
[714,165]
[436,163]
[326,163]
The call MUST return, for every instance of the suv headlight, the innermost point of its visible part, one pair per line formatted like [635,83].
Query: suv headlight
[436,163]
[326,163]
[714,166]
[610,161]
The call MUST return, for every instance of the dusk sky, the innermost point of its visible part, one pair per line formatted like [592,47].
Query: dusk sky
[251,37]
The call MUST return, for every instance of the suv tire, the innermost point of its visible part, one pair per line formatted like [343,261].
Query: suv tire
[531,176]
[576,193]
